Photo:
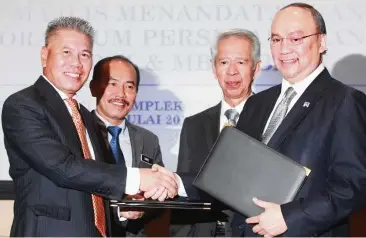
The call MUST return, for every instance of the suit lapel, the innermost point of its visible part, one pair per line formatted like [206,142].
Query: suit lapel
[102,134]
[92,131]
[212,125]
[266,110]
[137,144]
[301,108]
[57,107]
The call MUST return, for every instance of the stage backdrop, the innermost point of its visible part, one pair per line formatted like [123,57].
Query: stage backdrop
[169,41]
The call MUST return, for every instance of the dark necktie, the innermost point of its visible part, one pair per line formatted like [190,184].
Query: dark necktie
[115,131]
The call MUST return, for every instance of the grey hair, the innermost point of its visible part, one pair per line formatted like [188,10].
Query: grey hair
[240,33]
[70,23]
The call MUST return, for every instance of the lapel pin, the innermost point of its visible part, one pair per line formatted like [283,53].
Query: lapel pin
[306,104]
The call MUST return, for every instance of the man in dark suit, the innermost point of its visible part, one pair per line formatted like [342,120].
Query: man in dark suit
[115,85]
[55,160]
[315,120]
[235,63]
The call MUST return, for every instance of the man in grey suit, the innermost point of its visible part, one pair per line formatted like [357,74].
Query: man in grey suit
[115,85]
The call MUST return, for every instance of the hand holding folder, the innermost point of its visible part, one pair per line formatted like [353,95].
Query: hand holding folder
[132,214]
[240,168]
[270,222]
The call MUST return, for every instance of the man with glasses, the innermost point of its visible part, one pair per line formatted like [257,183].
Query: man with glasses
[315,120]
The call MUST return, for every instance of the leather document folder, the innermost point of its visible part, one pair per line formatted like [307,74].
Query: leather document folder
[138,204]
[239,168]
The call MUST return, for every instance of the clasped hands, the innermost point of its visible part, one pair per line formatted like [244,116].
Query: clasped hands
[157,183]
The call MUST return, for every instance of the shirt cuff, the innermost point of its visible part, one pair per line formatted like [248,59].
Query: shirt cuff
[120,218]
[132,181]
[181,190]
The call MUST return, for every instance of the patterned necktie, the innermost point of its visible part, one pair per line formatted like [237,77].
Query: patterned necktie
[232,116]
[98,206]
[278,115]
[115,131]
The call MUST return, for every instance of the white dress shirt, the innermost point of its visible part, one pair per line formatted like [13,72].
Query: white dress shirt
[299,88]
[133,174]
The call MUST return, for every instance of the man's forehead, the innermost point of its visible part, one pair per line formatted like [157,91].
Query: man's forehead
[236,44]
[238,39]
[293,19]
[116,67]
[62,32]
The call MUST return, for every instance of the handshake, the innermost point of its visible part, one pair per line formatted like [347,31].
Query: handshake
[158,183]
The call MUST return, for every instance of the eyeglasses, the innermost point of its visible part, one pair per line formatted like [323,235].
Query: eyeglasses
[276,40]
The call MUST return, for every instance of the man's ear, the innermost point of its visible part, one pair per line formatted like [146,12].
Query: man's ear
[44,56]
[213,66]
[323,43]
[257,69]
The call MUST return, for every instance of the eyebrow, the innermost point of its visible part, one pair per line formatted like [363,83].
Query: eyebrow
[291,33]
[114,79]
[72,48]
[275,34]
[236,58]
[132,82]
[88,51]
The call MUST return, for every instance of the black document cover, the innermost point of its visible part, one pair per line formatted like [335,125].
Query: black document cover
[138,204]
[239,168]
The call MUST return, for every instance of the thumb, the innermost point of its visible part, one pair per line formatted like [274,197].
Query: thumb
[155,167]
[260,203]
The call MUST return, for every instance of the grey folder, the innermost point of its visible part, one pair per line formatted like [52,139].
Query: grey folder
[239,168]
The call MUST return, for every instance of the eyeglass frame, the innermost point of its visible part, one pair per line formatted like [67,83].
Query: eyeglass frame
[291,39]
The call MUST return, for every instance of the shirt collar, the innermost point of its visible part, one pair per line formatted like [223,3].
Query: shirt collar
[301,86]
[107,123]
[62,94]
[225,106]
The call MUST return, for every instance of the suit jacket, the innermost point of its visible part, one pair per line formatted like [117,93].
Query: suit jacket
[53,182]
[142,142]
[324,131]
[199,133]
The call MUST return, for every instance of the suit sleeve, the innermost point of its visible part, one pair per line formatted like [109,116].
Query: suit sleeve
[27,131]
[345,189]
[183,169]
[157,156]
[183,160]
